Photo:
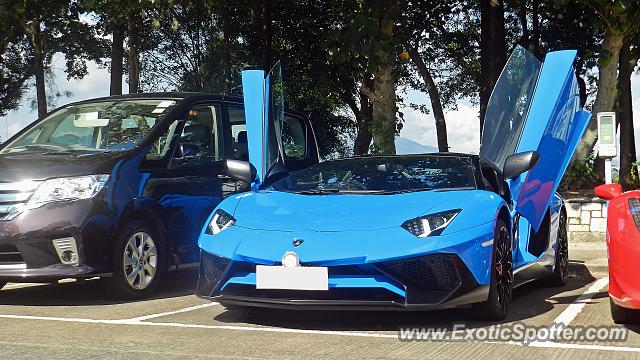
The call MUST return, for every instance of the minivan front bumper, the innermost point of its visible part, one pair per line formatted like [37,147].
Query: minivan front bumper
[27,251]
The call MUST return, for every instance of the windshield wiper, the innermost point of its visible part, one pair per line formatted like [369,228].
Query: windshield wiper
[318,191]
[44,146]
[403,191]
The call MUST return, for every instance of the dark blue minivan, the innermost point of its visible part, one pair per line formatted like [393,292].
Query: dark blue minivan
[120,187]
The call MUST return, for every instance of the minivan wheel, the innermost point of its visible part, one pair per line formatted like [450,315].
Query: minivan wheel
[138,261]
[498,302]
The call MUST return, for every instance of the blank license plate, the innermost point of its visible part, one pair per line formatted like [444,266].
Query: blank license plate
[292,278]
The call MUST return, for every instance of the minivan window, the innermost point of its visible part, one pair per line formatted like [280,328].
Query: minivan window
[199,142]
[294,140]
[93,127]
[160,146]
[239,141]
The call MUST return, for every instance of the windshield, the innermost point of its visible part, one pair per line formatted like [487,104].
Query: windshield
[383,174]
[93,127]
[507,109]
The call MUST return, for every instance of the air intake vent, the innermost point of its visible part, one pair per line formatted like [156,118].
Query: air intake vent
[634,207]
[214,267]
[428,272]
[10,255]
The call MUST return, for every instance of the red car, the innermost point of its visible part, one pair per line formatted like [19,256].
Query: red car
[623,243]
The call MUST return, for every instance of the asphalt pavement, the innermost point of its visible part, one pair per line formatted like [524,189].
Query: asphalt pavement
[79,321]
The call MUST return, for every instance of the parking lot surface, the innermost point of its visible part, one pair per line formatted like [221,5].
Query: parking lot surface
[74,321]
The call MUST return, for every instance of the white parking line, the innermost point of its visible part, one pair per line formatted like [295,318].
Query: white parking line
[130,322]
[570,313]
[554,345]
[192,308]
[197,326]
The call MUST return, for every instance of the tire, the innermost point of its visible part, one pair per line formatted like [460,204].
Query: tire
[622,315]
[138,277]
[560,274]
[498,303]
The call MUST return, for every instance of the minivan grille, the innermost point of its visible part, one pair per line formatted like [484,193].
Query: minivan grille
[14,194]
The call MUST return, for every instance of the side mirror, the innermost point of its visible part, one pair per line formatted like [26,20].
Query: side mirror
[240,170]
[608,191]
[519,163]
[186,150]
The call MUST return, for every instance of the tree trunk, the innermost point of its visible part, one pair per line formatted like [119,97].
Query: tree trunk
[524,24]
[607,88]
[627,63]
[434,97]
[134,60]
[535,28]
[226,43]
[363,119]
[117,58]
[268,35]
[384,109]
[38,67]
[492,49]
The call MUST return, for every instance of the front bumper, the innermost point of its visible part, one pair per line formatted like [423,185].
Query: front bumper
[27,253]
[428,282]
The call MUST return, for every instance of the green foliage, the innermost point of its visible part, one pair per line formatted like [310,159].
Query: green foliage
[446,35]
[330,50]
[580,176]
[61,31]
[633,175]
[14,74]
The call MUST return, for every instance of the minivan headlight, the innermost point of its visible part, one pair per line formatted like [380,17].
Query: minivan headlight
[68,188]
[221,220]
[430,225]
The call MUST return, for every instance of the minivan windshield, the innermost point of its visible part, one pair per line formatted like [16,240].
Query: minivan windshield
[105,126]
[383,175]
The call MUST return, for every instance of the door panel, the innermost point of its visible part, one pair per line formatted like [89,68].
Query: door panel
[253,90]
[554,127]
[277,143]
[194,182]
[506,113]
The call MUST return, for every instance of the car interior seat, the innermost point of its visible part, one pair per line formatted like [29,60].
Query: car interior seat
[242,146]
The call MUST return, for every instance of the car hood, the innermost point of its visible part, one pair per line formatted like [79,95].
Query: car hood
[282,211]
[34,166]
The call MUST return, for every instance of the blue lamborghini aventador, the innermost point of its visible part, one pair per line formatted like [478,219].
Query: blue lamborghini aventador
[410,232]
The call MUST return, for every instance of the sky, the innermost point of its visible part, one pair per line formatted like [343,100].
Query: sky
[462,123]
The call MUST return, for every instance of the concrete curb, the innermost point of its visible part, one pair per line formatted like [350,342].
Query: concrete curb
[591,254]
[585,237]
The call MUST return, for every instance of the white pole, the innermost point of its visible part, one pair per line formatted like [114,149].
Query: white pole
[607,171]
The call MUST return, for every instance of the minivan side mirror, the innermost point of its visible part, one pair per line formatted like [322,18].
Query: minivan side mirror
[241,171]
[608,191]
[519,163]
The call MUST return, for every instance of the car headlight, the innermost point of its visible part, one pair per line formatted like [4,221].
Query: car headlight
[430,225]
[68,188]
[221,220]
